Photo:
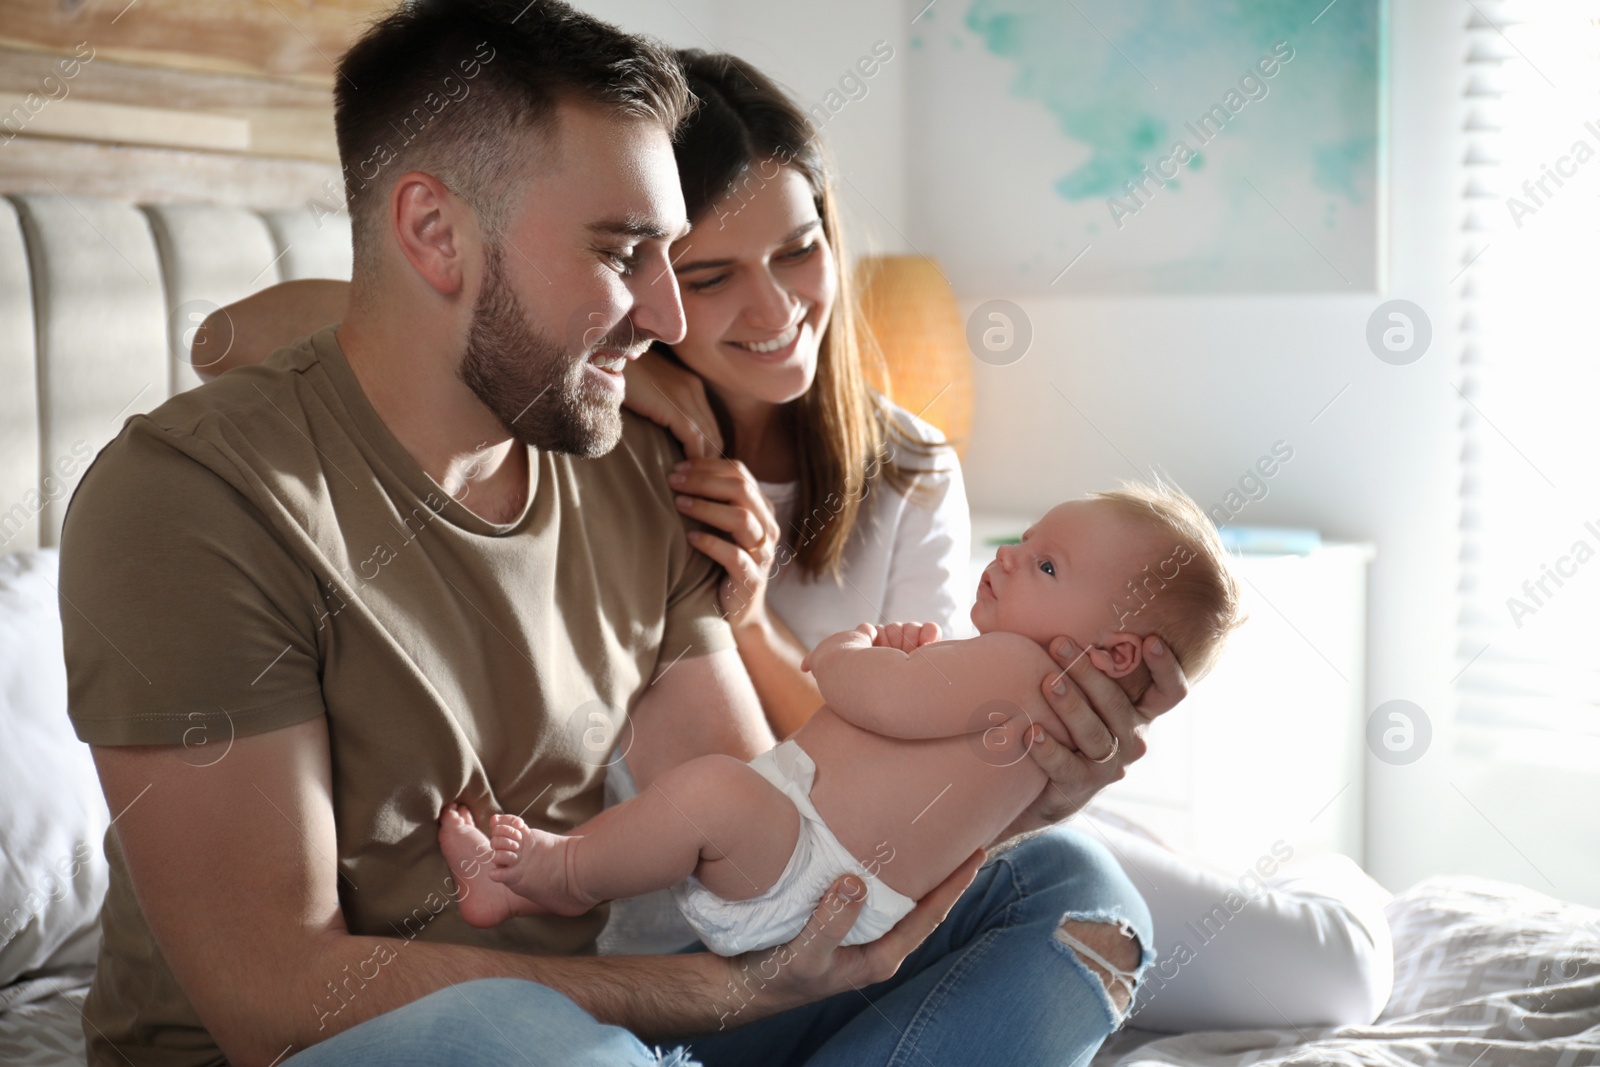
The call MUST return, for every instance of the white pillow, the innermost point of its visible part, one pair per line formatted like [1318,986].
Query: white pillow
[54,820]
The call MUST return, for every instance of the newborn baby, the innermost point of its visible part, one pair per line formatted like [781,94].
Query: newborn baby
[919,756]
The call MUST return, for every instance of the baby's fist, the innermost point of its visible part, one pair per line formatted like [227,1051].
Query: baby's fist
[907,636]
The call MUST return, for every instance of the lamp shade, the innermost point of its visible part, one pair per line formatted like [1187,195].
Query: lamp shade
[911,312]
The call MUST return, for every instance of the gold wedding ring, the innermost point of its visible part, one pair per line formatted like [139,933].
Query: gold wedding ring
[1116,746]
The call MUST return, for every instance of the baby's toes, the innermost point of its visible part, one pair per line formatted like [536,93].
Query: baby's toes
[507,847]
[507,852]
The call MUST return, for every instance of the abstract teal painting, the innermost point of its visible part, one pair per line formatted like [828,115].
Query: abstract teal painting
[1145,146]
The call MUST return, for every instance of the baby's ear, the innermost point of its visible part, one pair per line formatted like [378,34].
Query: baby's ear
[1118,655]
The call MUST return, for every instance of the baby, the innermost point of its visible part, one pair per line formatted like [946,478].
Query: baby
[919,756]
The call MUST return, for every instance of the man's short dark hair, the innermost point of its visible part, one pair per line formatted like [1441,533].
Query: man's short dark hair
[453,87]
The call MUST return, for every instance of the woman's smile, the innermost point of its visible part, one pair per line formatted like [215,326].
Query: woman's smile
[780,348]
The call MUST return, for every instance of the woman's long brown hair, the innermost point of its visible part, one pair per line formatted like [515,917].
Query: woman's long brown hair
[847,442]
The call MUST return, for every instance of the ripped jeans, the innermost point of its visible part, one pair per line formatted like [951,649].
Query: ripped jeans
[998,982]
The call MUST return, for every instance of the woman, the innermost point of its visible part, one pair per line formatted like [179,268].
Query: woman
[854,492]
[1318,941]
[836,505]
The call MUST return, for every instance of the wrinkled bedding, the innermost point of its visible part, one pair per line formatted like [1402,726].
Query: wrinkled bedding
[41,1020]
[1486,975]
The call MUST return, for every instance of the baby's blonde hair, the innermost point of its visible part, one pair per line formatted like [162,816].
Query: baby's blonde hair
[1195,609]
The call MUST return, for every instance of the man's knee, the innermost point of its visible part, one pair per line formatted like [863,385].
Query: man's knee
[1111,952]
[1086,873]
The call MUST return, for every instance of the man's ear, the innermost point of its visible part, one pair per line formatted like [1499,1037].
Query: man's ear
[1118,655]
[434,229]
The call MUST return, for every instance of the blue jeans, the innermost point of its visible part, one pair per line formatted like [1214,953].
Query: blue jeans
[993,984]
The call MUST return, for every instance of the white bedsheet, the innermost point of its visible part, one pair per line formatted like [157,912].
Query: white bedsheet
[1486,975]
[41,1020]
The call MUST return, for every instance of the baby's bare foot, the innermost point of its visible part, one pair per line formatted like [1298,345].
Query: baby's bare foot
[537,865]
[484,901]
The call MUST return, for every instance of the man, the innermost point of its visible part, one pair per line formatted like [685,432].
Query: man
[420,560]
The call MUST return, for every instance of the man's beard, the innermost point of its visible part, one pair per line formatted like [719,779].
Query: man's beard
[530,382]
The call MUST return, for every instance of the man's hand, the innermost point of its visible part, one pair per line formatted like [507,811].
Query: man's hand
[1107,729]
[907,636]
[815,965]
[863,636]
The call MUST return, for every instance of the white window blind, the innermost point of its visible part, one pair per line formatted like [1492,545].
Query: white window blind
[1530,378]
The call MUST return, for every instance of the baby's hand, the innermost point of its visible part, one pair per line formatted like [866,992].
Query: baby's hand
[907,636]
[863,636]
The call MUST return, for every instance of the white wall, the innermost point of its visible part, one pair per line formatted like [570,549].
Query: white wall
[807,48]
[1205,386]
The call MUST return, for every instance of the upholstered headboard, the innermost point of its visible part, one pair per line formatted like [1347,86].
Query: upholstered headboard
[98,299]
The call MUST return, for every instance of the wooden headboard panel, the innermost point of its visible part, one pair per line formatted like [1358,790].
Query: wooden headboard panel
[98,299]
[157,159]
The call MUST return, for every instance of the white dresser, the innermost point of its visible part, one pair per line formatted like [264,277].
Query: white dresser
[1270,745]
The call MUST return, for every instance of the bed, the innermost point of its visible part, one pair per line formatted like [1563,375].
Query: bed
[97,297]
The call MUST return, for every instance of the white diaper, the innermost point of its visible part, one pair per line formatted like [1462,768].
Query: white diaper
[729,927]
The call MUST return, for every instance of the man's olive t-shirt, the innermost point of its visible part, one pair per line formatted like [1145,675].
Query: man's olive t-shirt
[261,551]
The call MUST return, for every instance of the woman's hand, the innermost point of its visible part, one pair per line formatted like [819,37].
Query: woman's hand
[1107,729]
[675,398]
[722,494]
[815,965]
